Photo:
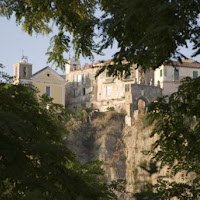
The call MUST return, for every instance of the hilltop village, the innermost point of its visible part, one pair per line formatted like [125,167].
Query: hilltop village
[79,87]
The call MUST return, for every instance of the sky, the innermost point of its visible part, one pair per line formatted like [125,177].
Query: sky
[14,43]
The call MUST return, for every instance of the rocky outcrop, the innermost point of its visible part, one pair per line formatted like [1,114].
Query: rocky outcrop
[121,148]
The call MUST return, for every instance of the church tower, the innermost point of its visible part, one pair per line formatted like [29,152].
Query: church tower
[22,71]
[72,65]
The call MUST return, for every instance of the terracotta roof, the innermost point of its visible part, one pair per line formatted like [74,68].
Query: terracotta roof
[102,62]
[189,63]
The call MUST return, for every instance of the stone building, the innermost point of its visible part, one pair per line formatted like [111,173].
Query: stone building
[102,92]
[46,80]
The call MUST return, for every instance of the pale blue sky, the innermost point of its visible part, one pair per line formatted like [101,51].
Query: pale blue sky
[13,41]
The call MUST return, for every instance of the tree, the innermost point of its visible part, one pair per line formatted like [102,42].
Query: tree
[176,122]
[74,20]
[147,32]
[35,163]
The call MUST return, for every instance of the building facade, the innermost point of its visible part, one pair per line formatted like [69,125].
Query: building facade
[170,76]
[103,91]
[46,80]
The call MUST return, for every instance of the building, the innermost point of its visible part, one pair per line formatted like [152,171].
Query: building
[102,92]
[169,77]
[46,80]
[130,93]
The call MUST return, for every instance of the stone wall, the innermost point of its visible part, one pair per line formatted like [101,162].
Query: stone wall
[137,98]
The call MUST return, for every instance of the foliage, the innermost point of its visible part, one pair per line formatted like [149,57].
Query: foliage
[4,77]
[111,108]
[34,161]
[176,129]
[147,189]
[147,32]
[74,20]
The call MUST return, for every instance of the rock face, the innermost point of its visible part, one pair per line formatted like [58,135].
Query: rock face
[121,148]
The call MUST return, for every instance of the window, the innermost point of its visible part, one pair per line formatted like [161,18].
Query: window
[161,73]
[83,78]
[195,74]
[93,76]
[108,75]
[165,72]
[48,91]
[48,75]
[127,75]
[176,74]
[108,91]
[83,91]
[74,93]
[24,72]
[74,80]
[79,79]
[126,87]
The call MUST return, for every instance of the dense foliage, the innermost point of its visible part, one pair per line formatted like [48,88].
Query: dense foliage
[150,32]
[74,20]
[147,32]
[177,126]
[34,161]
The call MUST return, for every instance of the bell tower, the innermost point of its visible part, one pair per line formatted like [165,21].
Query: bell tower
[22,70]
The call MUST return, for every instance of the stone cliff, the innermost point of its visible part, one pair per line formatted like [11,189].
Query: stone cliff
[121,148]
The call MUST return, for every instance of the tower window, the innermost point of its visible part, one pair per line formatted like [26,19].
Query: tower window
[24,72]
[48,91]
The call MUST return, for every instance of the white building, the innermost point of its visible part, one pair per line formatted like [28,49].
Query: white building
[169,76]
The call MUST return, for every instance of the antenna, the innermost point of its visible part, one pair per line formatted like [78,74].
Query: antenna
[24,58]
[22,53]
